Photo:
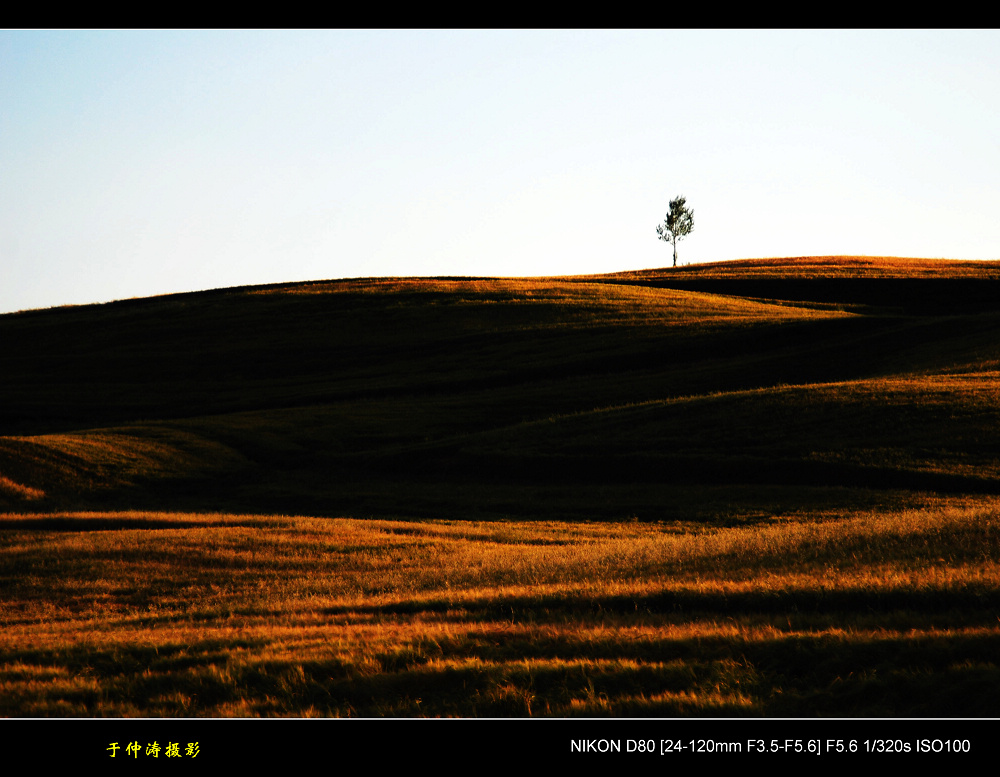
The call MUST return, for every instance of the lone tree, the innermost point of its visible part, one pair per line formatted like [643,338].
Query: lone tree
[678,224]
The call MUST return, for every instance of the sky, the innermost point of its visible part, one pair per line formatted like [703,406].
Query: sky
[137,163]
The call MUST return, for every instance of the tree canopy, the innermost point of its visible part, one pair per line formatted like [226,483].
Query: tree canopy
[678,224]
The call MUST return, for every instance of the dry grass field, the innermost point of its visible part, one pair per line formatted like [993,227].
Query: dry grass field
[759,488]
[124,614]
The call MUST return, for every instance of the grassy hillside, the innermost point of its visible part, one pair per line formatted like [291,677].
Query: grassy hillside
[750,488]
[455,397]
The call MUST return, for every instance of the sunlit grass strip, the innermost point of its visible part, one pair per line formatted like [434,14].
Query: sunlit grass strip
[572,302]
[373,558]
[815,267]
[9,488]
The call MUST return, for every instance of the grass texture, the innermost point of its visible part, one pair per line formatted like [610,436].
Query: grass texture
[121,614]
[755,488]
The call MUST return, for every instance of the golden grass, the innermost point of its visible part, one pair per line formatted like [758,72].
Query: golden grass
[205,614]
[578,303]
[365,392]
[817,267]
[11,489]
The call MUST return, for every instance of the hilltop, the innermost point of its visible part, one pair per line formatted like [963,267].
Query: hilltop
[710,389]
[815,267]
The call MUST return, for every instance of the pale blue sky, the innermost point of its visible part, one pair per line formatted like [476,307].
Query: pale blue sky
[137,163]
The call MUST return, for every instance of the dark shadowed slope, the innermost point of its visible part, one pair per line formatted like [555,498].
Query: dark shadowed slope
[598,397]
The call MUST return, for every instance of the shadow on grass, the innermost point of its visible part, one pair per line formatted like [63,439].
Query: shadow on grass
[832,602]
[482,675]
[794,675]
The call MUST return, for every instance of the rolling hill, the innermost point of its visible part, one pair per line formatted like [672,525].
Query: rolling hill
[655,394]
[759,488]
